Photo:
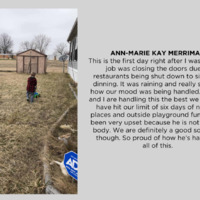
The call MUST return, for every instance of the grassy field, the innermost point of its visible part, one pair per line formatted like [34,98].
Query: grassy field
[23,126]
[52,66]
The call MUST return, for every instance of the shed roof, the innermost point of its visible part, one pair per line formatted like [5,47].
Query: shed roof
[32,50]
[73,32]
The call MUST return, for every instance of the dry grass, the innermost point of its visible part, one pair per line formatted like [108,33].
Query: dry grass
[52,66]
[23,126]
[59,66]
[57,149]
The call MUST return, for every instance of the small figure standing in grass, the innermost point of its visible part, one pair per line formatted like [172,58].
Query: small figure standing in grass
[31,86]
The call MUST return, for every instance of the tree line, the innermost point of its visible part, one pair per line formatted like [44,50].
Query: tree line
[39,42]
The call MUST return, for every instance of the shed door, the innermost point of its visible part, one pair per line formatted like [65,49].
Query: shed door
[30,64]
[27,65]
[34,64]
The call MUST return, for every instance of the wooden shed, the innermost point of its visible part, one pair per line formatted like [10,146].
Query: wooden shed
[31,61]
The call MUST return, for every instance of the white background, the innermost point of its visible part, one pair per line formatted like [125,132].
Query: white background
[122,170]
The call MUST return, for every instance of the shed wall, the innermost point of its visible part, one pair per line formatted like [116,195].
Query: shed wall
[20,64]
[31,61]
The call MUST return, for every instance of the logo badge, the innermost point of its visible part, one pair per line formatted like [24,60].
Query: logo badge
[71,164]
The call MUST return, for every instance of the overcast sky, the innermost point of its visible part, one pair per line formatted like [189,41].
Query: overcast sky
[24,24]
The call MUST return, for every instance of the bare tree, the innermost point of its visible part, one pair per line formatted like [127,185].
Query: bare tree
[41,42]
[6,43]
[61,50]
[27,45]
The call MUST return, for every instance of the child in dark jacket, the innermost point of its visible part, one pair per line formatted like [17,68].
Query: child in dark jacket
[31,86]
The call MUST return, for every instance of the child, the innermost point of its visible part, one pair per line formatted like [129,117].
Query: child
[31,86]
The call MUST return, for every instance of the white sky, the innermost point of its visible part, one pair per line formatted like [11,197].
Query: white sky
[24,24]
